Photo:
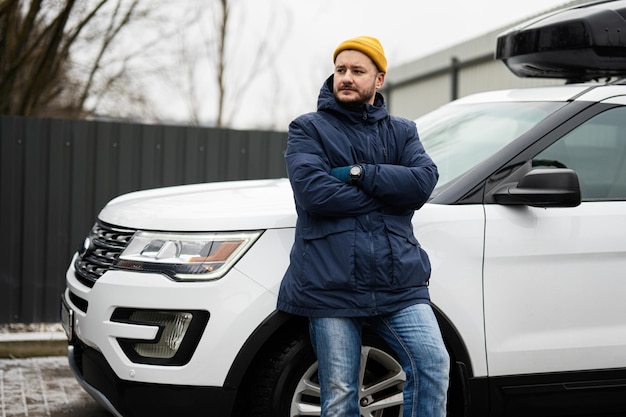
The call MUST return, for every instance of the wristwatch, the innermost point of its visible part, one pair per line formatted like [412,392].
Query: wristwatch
[355,173]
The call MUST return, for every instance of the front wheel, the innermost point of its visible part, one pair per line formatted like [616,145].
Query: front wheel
[380,387]
[284,382]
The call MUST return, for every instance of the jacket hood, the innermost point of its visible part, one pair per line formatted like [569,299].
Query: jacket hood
[371,113]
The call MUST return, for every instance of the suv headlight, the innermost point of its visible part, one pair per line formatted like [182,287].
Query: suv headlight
[186,256]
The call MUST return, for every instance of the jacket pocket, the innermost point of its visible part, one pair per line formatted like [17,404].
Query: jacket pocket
[411,266]
[319,228]
[329,262]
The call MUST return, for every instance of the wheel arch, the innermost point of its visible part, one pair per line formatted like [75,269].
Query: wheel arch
[461,372]
[274,323]
[454,343]
[278,320]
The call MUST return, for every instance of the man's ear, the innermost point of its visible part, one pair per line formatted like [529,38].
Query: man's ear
[380,80]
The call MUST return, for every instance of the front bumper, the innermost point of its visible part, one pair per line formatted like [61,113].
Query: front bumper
[236,306]
[127,385]
[136,399]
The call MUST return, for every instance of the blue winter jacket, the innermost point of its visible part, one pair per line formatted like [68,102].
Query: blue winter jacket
[355,253]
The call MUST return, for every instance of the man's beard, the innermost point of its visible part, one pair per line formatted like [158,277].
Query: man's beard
[362,97]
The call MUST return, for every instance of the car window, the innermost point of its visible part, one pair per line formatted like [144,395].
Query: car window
[459,137]
[596,150]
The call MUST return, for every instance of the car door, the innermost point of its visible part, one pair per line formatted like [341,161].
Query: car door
[554,280]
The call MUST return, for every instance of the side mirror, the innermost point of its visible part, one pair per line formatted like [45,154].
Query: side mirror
[552,187]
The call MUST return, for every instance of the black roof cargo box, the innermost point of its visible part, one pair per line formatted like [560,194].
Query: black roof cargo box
[578,44]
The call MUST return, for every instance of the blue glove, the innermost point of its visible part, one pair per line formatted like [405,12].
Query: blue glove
[342,173]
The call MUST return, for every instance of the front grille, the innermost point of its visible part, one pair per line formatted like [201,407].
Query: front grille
[101,249]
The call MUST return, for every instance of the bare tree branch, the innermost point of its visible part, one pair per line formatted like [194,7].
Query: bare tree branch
[47,67]
[37,73]
[110,34]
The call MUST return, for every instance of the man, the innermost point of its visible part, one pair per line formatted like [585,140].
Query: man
[358,174]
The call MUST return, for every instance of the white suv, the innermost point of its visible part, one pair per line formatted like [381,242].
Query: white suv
[170,305]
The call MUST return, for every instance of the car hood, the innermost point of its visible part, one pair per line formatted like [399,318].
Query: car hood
[229,205]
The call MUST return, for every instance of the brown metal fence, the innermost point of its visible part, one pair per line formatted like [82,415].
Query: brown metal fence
[56,175]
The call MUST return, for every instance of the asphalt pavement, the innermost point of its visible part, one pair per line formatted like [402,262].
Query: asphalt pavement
[35,378]
[43,387]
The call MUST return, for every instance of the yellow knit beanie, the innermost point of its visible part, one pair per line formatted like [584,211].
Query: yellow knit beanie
[369,46]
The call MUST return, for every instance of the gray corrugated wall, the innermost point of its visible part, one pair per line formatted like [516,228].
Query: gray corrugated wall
[56,175]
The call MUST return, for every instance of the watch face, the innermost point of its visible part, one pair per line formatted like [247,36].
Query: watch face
[355,170]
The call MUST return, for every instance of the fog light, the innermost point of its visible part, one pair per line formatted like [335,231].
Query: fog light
[176,340]
[173,327]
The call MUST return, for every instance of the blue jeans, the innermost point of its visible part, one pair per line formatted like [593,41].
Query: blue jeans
[415,337]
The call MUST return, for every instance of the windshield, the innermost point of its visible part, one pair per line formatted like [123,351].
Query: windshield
[460,136]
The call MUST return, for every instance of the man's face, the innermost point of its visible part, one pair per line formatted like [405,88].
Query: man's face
[356,78]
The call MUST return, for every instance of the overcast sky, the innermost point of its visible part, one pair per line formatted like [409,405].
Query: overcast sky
[407,29]
[305,33]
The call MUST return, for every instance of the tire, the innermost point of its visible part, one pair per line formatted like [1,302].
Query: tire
[269,388]
[284,383]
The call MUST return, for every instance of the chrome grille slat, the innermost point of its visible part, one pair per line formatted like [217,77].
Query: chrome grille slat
[106,254]
[106,245]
